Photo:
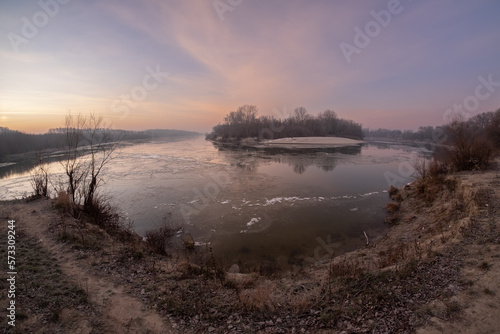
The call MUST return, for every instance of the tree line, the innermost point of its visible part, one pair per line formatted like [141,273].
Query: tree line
[17,142]
[473,142]
[244,123]
[484,127]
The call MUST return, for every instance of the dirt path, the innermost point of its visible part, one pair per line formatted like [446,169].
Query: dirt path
[121,313]
[480,303]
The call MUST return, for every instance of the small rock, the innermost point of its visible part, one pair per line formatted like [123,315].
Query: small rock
[235,269]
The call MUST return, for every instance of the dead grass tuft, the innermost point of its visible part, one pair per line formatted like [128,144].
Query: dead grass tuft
[259,298]
[63,203]
[392,207]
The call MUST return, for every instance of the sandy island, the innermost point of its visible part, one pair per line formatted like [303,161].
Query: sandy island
[310,142]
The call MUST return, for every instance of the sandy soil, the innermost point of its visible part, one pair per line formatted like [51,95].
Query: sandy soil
[311,142]
[117,311]
[480,303]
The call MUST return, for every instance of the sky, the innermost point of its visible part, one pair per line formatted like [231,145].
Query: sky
[182,64]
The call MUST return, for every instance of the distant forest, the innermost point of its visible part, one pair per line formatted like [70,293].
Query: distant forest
[485,124]
[244,123]
[16,142]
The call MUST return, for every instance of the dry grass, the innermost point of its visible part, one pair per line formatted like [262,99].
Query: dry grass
[158,240]
[260,298]
[63,203]
[392,207]
[43,292]
[104,215]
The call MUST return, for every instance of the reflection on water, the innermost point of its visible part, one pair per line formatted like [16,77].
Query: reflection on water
[277,207]
[298,159]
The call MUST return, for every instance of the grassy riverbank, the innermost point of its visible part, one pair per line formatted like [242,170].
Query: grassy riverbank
[435,271]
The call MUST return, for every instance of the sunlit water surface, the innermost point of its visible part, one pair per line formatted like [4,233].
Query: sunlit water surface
[281,209]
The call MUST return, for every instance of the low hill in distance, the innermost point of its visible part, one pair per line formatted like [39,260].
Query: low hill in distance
[17,142]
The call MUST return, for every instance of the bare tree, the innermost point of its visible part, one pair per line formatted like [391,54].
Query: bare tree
[493,129]
[89,148]
[101,147]
[300,114]
[40,177]
[469,149]
[73,164]
[328,122]
[243,121]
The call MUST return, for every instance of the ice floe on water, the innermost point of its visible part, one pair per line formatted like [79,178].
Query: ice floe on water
[253,221]
[353,209]
[369,194]
[291,200]
[199,244]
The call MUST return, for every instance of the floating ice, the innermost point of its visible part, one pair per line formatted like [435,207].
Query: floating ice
[225,202]
[253,221]
[275,200]
[198,243]
[369,194]
[353,209]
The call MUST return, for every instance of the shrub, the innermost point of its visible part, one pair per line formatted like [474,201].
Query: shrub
[158,240]
[395,194]
[63,202]
[469,148]
[188,241]
[432,178]
[103,214]
[493,130]
[40,177]
[392,207]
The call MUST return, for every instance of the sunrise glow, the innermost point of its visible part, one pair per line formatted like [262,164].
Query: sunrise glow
[184,65]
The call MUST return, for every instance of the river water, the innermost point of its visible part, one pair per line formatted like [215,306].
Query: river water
[252,207]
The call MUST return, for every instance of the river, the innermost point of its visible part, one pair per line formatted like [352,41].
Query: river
[251,207]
